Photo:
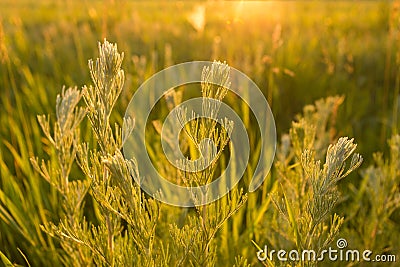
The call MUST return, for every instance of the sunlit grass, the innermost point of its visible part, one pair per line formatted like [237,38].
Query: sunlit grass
[295,51]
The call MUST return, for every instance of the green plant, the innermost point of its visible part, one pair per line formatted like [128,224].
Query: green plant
[65,139]
[196,240]
[326,45]
[307,194]
[374,205]
[124,232]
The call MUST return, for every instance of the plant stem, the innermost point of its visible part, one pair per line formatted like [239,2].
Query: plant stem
[110,238]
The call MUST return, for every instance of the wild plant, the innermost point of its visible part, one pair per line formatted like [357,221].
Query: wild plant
[373,210]
[35,56]
[307,192]
[124,230]
[126,227]
[195,240]
[64,139]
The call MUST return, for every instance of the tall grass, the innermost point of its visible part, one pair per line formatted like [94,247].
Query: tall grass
[296,53]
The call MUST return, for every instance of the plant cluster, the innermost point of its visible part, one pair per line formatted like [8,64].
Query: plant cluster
[104,218]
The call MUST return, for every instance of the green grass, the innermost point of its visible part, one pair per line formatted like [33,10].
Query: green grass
[296,52]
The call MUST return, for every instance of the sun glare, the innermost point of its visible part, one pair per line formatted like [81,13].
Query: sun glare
[246,10]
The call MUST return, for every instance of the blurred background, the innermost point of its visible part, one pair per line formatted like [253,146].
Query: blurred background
[295,51]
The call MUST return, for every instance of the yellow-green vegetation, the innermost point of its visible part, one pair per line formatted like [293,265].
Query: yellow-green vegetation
[330,72]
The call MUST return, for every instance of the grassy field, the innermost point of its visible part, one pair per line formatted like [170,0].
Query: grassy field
[296,52]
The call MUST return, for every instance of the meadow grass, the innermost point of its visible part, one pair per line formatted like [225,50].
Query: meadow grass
[296,52]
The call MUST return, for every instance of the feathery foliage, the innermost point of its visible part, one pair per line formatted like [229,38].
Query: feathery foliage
[93,207]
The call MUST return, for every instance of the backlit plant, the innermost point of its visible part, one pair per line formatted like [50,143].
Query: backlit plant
[105,219]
